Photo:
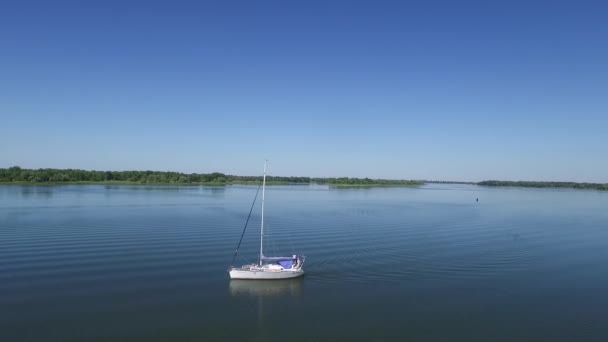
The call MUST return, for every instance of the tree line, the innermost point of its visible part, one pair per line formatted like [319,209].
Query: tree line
[16,174]
[531,184]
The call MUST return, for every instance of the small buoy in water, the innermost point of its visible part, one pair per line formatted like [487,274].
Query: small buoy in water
[477,200]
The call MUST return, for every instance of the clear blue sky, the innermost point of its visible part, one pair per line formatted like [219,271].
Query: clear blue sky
[449,90]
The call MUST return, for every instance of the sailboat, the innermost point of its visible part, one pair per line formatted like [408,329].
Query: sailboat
[268,267]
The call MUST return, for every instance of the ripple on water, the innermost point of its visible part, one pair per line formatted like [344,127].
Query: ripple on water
[415,251]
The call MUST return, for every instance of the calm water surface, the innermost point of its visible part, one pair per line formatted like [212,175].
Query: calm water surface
[148,263]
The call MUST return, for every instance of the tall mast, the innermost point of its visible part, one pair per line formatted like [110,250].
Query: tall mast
[262,226]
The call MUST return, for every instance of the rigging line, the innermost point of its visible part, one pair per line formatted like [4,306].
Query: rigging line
[245,228]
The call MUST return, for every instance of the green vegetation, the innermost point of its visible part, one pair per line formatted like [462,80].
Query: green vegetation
[449,182]
[362,182]
[17,175]
[527,184]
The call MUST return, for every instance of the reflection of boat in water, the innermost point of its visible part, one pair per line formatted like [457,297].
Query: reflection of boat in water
[268,268]
[290,287]
[256,294]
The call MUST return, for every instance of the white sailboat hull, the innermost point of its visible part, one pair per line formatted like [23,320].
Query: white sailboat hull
[237,273]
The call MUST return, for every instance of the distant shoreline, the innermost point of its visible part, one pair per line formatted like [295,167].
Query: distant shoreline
[271,183]
[532,184]
[18,176]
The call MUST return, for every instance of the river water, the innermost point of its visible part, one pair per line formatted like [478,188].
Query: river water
[148,263]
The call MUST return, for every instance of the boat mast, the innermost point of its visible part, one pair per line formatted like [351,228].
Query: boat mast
[262,225]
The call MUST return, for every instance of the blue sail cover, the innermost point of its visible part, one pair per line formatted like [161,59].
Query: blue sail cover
[286,263]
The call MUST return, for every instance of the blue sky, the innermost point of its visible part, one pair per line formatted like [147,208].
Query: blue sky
[415,90]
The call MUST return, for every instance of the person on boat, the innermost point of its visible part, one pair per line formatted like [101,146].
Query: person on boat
[295,261]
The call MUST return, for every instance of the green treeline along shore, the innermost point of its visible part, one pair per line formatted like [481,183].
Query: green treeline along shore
[17,175]
[526,184]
